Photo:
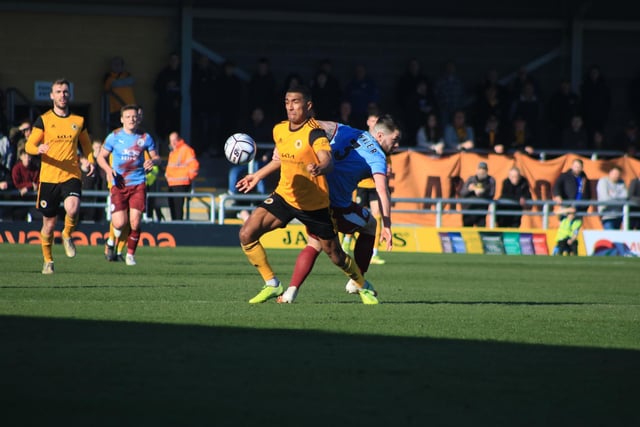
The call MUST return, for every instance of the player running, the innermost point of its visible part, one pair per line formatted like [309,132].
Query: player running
[55,138]
[126,172]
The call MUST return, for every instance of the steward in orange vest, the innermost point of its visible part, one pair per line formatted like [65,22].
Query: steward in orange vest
[182,168]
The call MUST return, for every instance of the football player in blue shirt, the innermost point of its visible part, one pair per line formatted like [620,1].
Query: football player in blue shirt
[127,172]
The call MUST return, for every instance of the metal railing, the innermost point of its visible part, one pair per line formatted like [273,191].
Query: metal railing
[103,200]
[431,206]
[545,208]
[208,200]
[223,207]
[542,154]
[441,207]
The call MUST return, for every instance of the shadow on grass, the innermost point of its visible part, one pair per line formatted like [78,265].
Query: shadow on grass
[532,303]
[94,373]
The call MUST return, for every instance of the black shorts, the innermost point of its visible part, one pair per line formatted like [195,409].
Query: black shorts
[366,196]
[50,195]
[320,223]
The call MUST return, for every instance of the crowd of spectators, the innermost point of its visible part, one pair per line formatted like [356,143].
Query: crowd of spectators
[439,113]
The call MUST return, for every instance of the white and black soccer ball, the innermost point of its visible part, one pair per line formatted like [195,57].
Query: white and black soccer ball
[240,149]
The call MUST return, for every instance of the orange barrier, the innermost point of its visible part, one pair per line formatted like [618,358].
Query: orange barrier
[416,175]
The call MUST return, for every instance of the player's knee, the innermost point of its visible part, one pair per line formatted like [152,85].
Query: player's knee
[247,234]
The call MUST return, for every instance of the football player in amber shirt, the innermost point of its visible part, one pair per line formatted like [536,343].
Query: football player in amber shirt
[55,137]
[303,156]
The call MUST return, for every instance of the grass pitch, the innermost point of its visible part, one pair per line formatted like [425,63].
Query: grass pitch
[457,340]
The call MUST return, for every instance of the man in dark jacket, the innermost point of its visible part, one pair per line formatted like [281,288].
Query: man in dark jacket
[573,185]
[482,186]
[515,188]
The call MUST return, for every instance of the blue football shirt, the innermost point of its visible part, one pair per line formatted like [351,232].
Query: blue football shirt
[356,155]
[127,154]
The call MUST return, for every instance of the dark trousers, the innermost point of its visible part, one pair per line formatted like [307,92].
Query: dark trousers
[563,247]
[176,204]
[471,220]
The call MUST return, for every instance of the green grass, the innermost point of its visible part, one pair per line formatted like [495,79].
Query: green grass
[457,340]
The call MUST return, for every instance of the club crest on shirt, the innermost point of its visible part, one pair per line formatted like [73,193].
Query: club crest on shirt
[140,142]
[74,126]
[298,144]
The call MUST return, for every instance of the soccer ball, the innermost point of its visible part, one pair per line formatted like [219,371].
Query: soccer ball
[240,149]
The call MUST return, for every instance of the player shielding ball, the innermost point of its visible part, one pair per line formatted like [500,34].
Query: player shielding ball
[357,154]
[303,158]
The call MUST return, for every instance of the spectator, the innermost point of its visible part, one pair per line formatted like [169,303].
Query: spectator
[634,198]
[417,106]
[263,89]
[362,92]
[567,235]
[19,135]
[118,87]
[490,105]
[152,207]
[522,78]
[430,135]
[345,113]
[232,104]
[96,182]
[7,152]
[326,92]
[596,100]
[5,185]
[611,187]
[168,97]
[629,140]
[480,186]
[261,132]
[258,127]
[517,189]
[26,177]
[571,185]
[519,138]
[491,137]
[599,142]
[450,92]
[407,83]
[182,168]
[528,106]
[204,106]
[633,94]
[3,116]
[491,80]
[458,136]
[563,106]
[575,137]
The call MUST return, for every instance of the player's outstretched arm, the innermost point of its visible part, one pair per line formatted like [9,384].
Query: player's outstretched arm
[384,198]
[249,182]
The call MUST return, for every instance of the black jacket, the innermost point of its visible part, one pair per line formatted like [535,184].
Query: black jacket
[567,188]
[515,192]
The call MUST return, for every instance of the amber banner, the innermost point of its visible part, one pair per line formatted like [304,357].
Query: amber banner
[417,175]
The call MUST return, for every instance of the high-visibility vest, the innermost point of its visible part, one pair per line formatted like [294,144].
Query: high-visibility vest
[182,165]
